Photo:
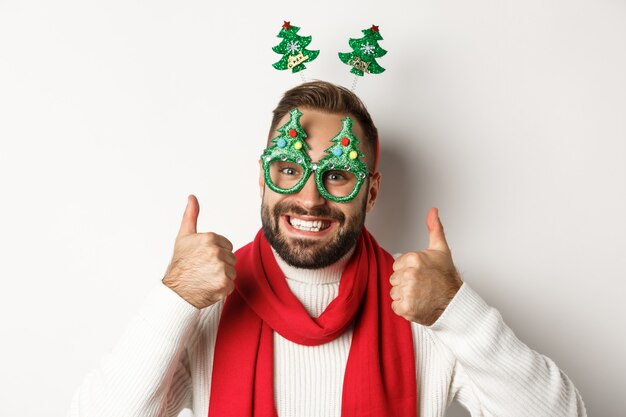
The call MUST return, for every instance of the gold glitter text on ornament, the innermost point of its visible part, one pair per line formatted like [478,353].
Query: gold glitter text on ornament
[296,60]
[359,64]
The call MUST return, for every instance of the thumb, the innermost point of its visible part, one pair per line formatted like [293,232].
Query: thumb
[436,237]
[190,218]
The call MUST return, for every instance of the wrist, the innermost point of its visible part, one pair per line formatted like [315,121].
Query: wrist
[174,284]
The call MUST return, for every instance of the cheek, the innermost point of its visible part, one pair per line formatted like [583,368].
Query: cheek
[271,199]
[352,210]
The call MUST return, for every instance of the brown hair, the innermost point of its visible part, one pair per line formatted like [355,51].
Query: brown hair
[331,98]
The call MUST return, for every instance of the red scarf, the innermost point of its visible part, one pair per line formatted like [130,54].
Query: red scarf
[380,375]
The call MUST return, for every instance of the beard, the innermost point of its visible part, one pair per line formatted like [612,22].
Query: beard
[310,253]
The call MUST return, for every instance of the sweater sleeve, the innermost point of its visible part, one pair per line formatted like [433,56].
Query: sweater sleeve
[496,374]
[146,372]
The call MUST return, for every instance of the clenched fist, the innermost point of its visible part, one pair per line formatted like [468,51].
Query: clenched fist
[424,282]
[202,269]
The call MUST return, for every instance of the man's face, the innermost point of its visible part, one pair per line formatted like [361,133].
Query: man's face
[305,229]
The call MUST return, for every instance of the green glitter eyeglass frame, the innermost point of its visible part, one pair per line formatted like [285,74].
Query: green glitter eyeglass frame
[343,155]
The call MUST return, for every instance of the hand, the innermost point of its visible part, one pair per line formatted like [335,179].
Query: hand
[202,269]
[424,282]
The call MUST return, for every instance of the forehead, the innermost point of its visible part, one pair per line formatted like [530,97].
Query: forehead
[320,125]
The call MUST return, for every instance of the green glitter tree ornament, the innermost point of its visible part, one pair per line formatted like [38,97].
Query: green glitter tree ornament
[288,146]
[365,50]
[293,49]
[344,155]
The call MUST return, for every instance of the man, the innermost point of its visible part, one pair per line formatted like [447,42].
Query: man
[313,318]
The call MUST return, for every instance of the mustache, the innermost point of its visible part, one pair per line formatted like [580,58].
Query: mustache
[321,211]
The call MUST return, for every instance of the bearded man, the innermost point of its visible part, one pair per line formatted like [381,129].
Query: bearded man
[313,317]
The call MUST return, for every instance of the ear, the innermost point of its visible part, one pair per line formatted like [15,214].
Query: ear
[261,180]
[372,192]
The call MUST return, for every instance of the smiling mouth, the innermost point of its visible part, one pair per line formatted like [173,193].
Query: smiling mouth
[308,225]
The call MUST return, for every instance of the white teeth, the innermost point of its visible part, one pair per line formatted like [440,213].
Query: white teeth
[309,226]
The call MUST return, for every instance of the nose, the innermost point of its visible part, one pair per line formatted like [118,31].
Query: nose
[309,195]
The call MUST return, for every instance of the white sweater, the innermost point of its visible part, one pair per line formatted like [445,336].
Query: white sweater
[162,365]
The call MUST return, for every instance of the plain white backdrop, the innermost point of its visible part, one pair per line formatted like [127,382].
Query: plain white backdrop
[507,115]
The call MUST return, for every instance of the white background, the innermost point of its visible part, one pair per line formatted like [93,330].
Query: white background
[508,116]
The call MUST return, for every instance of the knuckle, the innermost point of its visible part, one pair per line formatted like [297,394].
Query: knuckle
[395,294]
[397,264]
[230,272]
[398,308]
[412,258]
[209,237]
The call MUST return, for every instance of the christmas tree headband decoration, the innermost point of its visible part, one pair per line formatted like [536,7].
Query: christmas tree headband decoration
[365,50]
[338,176]
[362,59]
[293,49]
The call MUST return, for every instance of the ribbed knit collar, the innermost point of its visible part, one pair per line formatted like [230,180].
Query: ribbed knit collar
[327,275]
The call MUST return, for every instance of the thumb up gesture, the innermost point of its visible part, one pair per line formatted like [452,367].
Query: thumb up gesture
[202,268]
[423,283]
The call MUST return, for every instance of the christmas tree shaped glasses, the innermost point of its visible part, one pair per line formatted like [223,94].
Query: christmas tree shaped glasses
[338,176]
